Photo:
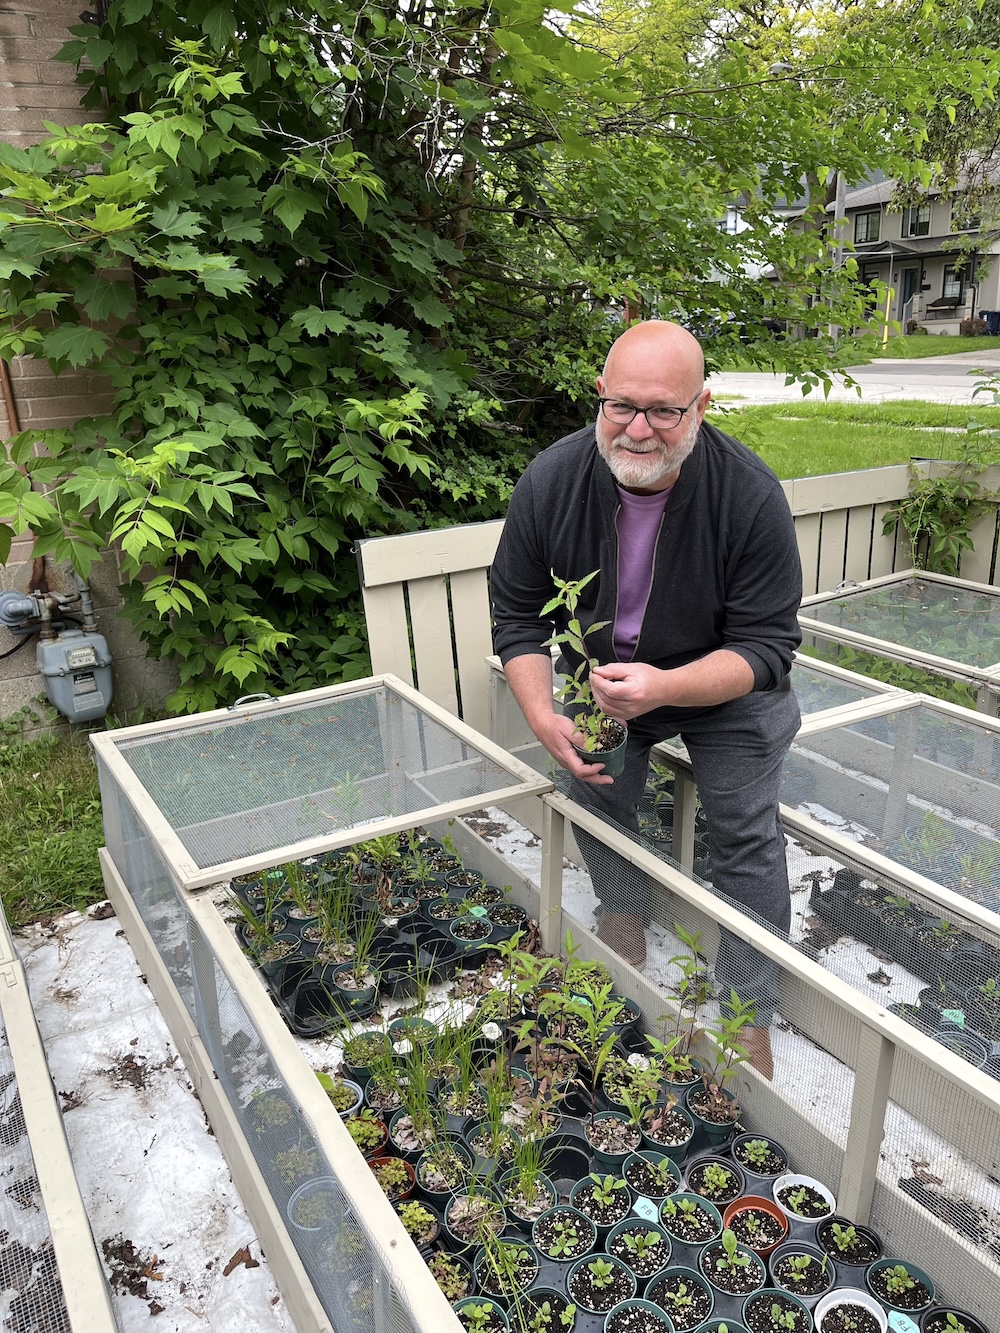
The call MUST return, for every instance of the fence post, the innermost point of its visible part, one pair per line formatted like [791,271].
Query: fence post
[872,1075]
[550,887]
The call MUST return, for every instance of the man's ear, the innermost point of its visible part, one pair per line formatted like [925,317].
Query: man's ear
[600,387]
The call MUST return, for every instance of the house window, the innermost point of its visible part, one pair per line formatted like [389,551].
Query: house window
[917,220]
[954,281]
[963,217]
[866,227]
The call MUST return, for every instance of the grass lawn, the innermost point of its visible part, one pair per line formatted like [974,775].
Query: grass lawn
[907,347]
[813,439]
[50,817]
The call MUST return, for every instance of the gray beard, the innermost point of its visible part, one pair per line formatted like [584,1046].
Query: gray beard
[658,463]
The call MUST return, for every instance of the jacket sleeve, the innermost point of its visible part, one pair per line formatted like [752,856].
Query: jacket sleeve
[763,592]
[520,580]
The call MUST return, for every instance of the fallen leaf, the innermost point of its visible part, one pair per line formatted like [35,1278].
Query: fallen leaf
[243,1257]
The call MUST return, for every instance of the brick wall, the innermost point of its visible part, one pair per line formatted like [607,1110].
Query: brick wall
[35,87]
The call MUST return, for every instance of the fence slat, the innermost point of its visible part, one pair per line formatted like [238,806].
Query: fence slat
[432,646]
[858,555]
[832,551]
[807,537]
[388,639]
[470,604]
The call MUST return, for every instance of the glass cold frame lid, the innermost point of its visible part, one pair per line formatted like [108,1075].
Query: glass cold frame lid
[237,787]
[959,624]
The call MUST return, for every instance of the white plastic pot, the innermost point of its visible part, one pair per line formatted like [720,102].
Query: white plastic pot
[849,1296]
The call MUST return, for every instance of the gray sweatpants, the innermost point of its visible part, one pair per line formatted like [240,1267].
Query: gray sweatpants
[737,750]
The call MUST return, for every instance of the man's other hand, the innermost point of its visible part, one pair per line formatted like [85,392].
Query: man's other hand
[625,690]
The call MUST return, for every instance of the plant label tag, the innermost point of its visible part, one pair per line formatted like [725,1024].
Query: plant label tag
[478,911]
[956,1016]
[646,1208]
[901,1323]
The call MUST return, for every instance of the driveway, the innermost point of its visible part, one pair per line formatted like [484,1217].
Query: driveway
[936,379]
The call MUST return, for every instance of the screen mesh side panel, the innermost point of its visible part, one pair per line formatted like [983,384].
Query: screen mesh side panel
[31,1294]
[349,1271]
[940,1156]
[144,873]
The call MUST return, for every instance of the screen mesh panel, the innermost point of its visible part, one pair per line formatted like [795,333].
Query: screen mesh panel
[938,618]
[31,1294]
[238,787]
[349,1273]
[918,785]
[937,1192]
[817,690]
[144,871]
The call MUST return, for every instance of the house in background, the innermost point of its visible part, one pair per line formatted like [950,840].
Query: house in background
[910,250]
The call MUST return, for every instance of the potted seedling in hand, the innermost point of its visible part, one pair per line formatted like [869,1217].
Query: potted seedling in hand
[601,738]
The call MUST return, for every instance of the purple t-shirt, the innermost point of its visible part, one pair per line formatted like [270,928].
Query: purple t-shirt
[638,527]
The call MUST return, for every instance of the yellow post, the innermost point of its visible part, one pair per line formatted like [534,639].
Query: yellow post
[889,294]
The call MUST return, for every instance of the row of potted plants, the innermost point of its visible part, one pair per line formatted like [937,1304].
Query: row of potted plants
[332,934]
[551,1160]
[928,945]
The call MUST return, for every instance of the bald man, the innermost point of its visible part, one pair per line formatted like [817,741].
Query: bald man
[700,585]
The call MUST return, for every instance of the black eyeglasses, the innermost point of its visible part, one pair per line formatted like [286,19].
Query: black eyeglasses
[657,418]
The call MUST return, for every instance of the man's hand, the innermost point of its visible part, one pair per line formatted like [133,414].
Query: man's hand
[625,690]
[530,677]
[555,732]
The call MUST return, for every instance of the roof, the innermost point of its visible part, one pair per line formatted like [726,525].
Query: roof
[919,247]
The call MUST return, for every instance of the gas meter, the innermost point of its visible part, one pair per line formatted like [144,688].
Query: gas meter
[74,663]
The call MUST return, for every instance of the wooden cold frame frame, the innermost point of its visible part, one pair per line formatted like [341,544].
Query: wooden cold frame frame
[986,678]
[85,1290]
[188,875]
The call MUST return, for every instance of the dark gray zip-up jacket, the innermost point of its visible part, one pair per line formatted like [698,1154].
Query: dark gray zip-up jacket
[726,571]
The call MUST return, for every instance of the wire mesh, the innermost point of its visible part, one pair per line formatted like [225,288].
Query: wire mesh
[144,871]
[238,787]
[817,690]
[940,1156]
[918,785]
[944,618]
[31,1293]
[345,1267]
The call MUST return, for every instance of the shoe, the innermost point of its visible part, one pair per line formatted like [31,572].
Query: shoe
[757,1044]
[626,935]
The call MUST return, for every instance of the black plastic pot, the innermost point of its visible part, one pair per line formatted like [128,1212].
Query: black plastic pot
[848,1274]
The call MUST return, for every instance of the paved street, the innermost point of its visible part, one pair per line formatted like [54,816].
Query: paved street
[937,379]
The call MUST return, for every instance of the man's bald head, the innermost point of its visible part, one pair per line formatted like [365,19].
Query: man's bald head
[655,364]
[656,348]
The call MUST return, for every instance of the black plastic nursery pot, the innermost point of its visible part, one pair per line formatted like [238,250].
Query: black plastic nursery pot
[689,1239]
[935,1320]
[731,1288]
[637,1316]
[642,1246]
[664,1286]
[757,1310]
[702,1172]
[912,1302]
[868,1247]
[762,1172]
[613,759]
[821,1276]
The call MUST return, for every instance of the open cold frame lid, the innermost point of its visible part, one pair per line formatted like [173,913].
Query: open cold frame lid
[239,789]
[949,625]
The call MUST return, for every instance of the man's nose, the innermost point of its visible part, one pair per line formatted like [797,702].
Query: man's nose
[639,428]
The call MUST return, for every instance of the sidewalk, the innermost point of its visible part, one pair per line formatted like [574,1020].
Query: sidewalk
[935,379]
